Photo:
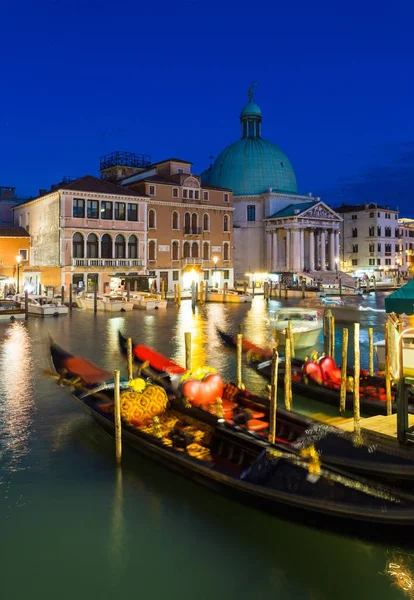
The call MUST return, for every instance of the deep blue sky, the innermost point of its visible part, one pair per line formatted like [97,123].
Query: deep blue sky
[336,85]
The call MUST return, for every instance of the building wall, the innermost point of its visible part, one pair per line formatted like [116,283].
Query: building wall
[41,219]
[365,248]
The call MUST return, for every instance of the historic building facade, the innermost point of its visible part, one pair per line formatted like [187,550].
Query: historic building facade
[190,225]
[86,232]
[284,231]
[15,273]
[371,239]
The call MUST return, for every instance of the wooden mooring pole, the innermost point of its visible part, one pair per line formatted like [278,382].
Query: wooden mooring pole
[388,369]
[129,358]
[289,334]
[201,295]
[128,291]
[273,396]
[70,296]
[62,293]
[95,298]
[371,351]
[344,365]
[332,332]
[26,304]
[288,376]
[178,295]
[117,416]
[187,339]
[239,360]
[357,373]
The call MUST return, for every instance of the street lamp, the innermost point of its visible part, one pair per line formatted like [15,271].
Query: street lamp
[18,260]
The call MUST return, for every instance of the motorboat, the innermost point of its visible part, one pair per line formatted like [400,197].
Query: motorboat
[408,355]
[343,310]
[11,310]
[105,303]
[148,301]
[335,290]
[231,296]
[306,326]
[42,306]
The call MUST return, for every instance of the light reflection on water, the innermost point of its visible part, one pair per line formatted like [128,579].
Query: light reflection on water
[142,529]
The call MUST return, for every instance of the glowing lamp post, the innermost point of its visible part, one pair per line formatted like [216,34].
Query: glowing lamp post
[18,260]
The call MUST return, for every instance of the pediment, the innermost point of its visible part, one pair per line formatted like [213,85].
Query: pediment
[321,211]
[191,182]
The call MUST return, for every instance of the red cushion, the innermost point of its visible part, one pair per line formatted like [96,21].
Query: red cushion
[256,425]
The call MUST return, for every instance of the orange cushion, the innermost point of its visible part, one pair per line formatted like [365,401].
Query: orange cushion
[90,373]
[257,415]
[256,425]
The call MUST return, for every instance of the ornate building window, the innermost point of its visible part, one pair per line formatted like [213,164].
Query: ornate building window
[175,220]
[206,222]
[194,250]
[175,248]
[226,251]
[187,223]
[92,246]
[194,223]
[251,212]
[151,250]
[206,251]
[152,221]
[78,246]
[106,246]
[186,249]
[119,246]
[132,246]
[226,223]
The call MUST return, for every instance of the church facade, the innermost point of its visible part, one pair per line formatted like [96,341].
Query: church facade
[276,229]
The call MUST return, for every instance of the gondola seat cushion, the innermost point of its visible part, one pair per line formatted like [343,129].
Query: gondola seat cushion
[257,425]
[87,371]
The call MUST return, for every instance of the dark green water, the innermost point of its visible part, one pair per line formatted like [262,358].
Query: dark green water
[73,526]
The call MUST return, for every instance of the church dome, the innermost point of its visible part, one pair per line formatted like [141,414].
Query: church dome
[252,165]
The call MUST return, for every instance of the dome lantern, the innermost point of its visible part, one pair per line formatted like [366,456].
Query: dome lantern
[251,117]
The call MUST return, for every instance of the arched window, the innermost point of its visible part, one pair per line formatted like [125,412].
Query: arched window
[151,250]
[152,222]
[226,223]
[132,246]
[187,223]
[226,251]
[194,250]
[119,246]
[186,249]
[175,220]
[175,250]
[206,252]
[78,246]
[106,246]
[92,246]
[194,222]
[206,222]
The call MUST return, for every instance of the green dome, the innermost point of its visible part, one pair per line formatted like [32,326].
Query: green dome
[252,165]
[250,109]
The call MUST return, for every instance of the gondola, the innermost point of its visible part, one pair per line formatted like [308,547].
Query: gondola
[373,459]
[237,465]
[304,386]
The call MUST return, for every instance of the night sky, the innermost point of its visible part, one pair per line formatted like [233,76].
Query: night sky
[336,84]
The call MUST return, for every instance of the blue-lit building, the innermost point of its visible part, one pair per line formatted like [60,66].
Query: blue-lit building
[283,230]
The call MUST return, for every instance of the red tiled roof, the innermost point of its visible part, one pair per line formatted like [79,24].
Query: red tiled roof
[13,232]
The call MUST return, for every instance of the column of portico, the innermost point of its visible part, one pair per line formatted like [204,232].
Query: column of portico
[275,250]
[288,236]
[295,250]
[302,249]
[323,249]
[336,236]
[331,251]
[311,250]
[269,253]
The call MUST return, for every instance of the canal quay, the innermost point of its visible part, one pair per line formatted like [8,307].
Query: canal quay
[73,525]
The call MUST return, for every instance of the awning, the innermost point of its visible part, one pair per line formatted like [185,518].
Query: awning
[401,301]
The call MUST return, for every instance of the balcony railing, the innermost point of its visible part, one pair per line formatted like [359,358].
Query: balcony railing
[191,260]
[107,262]
[192,230]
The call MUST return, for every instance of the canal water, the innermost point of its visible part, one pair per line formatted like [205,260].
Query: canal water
[73,526]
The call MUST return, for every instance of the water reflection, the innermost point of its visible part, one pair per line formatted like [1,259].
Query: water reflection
[116,539]
[398,569]
[16,394]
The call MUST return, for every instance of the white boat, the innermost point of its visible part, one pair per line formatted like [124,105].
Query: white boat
[11,310]
[231,297]
[106,303]
[42,306]
[306,326]
[334,290]
[147,301]
[408,355]
[343,310]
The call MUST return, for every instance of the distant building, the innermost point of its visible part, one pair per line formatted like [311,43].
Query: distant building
[190,225]
[285,232]
[370,238]
[406,244]
[86,232]
[8,200]
[14,241]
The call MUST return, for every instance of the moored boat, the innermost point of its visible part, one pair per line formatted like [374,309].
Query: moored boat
[372,457]
[306,326]
[11,310]
[42,306]
[229,296]
[408,354]
[232,462]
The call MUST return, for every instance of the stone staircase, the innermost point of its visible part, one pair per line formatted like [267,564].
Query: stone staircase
[330,278]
